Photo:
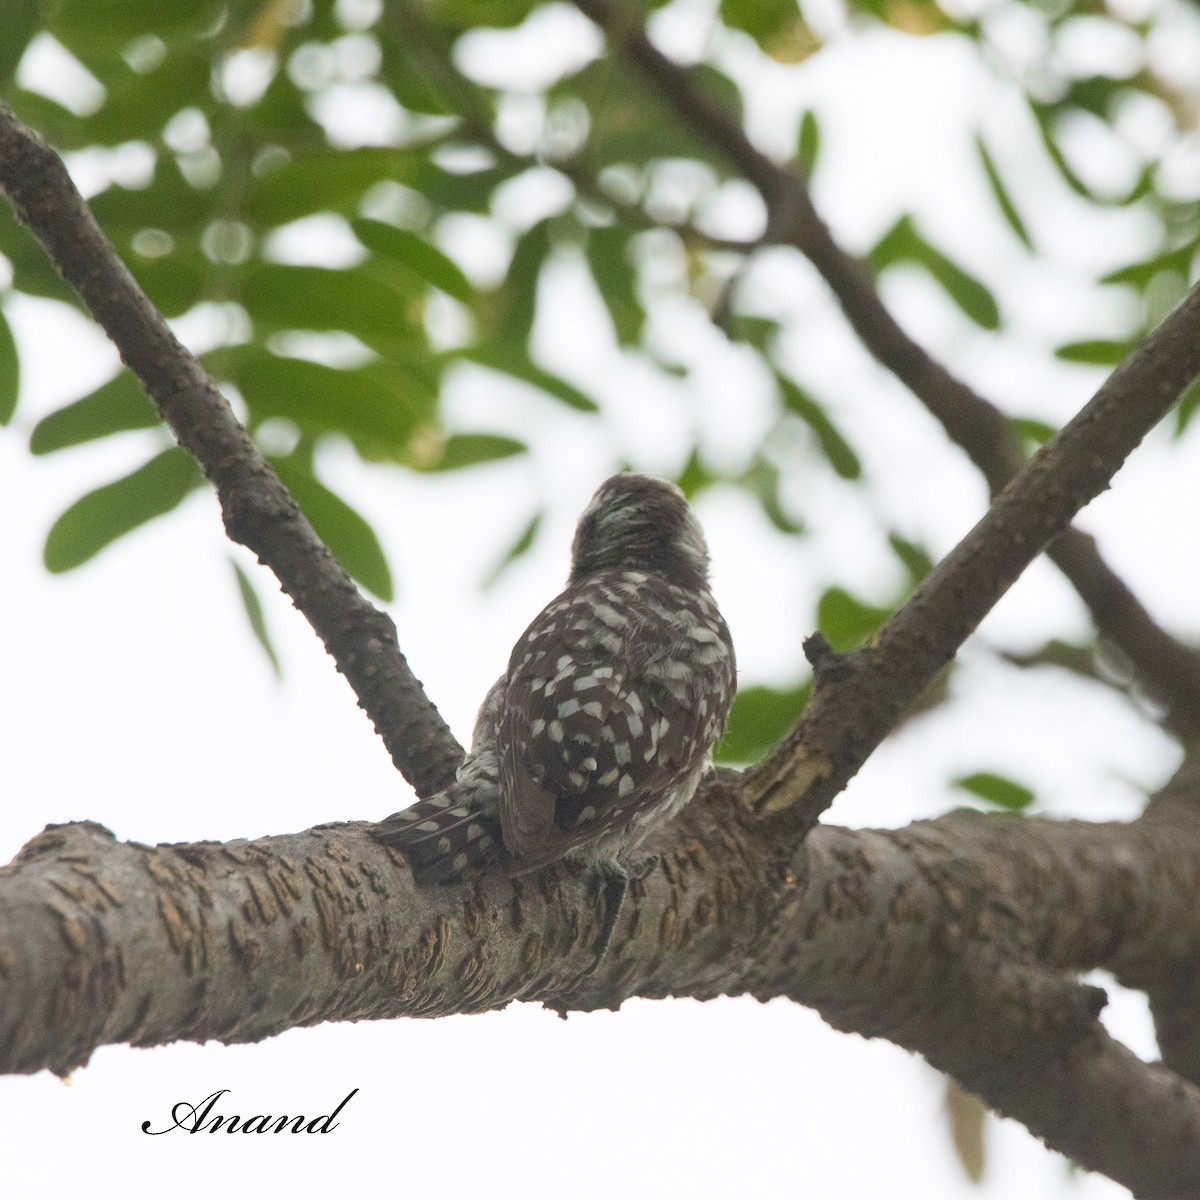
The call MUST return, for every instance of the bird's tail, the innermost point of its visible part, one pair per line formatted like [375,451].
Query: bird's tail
[443,842]
[449,838]
[456,834]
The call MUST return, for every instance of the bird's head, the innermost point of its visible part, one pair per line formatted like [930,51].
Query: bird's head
[640,523]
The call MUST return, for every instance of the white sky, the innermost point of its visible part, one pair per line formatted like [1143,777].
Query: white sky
[135,696]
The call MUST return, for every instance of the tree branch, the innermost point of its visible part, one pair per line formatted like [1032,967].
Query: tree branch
[1174,995]
[949,938]
[1168,669]
[859,698]
[257,509]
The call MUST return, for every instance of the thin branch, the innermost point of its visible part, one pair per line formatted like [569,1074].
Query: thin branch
[1169,669]
[257,509]
[949,937]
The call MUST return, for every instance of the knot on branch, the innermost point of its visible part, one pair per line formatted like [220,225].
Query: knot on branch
[827,664]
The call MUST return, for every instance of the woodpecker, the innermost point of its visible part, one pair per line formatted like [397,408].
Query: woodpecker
[602,726]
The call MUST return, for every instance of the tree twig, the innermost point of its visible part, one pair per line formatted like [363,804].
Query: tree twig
[1167,668]
[257,509]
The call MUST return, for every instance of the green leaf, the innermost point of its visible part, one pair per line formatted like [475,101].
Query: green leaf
[174,283]
[762,481]
[139,106]
[254,614]
[763,20]
[695,476]
[808,142]
[471,14]
[971,296]
[406,83]
[1043,115]
[108,513]
[58,125]
[320,298]
[837,450]
[1095,353]
[1185,410]
[458,191]
[1046,117]
[33,272]
[471,449]
[915,558]
[1032,432]
[519,295]
[167,202]
[903,243]
[10,371]
[415,254]
[1141,275]
[347,534]
[518,549]
[759,332]
[633,126]
[1067,656]
[20,22]
[608,258]
[510,360]
[116,22]
[846,621]
[1001,195]
[1094,94]
[759,718]
[324,180]
[114,407]
[996,789]
[376,405]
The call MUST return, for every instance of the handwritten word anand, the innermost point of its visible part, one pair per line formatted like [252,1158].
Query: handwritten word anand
[200,1118]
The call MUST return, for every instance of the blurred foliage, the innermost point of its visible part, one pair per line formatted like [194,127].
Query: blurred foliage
[996,789]
[222,170]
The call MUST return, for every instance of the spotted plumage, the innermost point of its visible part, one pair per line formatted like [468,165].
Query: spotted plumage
[602,725]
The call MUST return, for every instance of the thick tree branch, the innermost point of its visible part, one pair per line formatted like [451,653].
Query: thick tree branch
[257,509]
[950,937]
[1167,668]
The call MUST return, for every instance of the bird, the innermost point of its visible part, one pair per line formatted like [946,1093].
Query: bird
[602,726]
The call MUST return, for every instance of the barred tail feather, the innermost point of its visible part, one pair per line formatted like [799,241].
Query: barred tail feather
[443,842]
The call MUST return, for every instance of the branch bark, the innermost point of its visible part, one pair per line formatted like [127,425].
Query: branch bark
[951,938]
[258,510]
[1168,669]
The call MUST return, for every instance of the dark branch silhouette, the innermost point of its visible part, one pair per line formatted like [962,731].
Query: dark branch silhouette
[257,509]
